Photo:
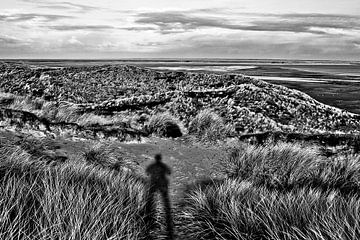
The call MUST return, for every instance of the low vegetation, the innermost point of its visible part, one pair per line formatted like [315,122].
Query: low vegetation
[164,125]
[208,126]
[251,105]
[58,112]
[285,166]
[104,155]
[277,191]
[72,200]
[234,209]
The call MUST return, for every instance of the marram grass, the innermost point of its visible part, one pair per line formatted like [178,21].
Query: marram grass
[73,200]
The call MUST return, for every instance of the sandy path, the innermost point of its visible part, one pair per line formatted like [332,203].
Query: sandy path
[188,162]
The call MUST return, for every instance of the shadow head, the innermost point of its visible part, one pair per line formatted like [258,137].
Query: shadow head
[158,158]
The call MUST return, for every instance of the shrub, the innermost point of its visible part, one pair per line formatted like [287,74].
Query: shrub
[207,125]
[164,125]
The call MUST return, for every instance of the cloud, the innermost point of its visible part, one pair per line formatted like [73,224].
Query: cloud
[175,21]
[21,17]
[235,46]
[170,22]
[74,41]
[80,27]
[318,16]
[62,5]
[139,28]
[9,40]
[194,32]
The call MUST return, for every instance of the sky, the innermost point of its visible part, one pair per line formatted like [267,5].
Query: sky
[115,29]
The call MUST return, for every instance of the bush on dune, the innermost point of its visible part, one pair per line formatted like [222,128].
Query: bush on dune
[207,125]
[164,125]
[74,200]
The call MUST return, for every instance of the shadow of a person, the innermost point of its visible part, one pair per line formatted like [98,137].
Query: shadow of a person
[159,183]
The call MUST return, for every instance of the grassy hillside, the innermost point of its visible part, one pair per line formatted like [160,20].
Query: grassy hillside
[250,105]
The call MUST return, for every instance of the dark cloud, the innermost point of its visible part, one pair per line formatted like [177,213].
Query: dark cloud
[21,17]
[80,27]
[138,28]
[170,22]
[152,44]
[174,21]
[62,5]
[69,6]
[8,40]
[257,48]
[317,16]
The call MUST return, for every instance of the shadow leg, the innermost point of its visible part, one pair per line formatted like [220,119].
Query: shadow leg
[167,208]
[150,210]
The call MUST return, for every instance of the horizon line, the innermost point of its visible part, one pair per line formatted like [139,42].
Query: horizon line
[169,58]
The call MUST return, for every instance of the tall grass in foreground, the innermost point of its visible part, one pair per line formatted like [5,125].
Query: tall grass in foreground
[280,191]
[208,126]
[235,209]
[285,166]
[73,200]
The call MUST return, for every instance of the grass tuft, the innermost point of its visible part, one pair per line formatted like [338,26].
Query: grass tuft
[106,156]
[164,125]
[207,125]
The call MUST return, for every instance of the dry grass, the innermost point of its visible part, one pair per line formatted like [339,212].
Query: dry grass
[279,191]
[89,119]
[73,200]
[106,156]
[59,111]
[208,126]
[234,209]
[285,166]
[164,125]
